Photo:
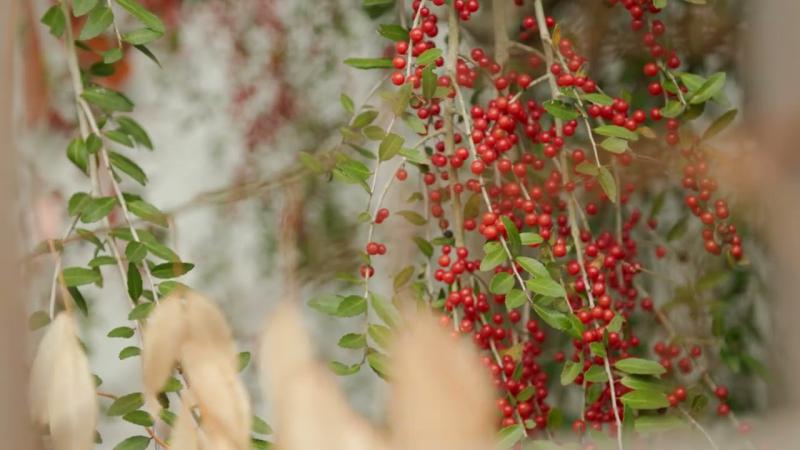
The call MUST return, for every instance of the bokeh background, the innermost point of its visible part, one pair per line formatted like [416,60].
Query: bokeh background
[245,85]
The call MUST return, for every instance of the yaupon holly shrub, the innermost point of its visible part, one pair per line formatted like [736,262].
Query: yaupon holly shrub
[538,215]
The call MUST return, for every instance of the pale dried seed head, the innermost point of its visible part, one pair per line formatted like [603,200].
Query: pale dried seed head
[188,328]
[219,393]
[62,387]
[441,395]
[163,335]
[184,434]
[310,410]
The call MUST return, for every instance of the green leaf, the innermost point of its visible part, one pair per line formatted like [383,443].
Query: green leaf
[98,21]
[133,443]
[121,332]
[347,103]
[77,153]
[379,363]
[546,286]
[78,276]
[393,32]
[515,298]
[129,352]
[560,110]
[379,334]
[494,256]
[514,242]
[107,99]
[149,19]
[168,417]
[93,144]
[353,340]
[654,424]
[596,374]
[146,52]
[570,371]
[472,207]
[55,20]
[529,238]
[616,324]
[369,63]
[678,229]
[141,418]
[167,287]
[97,209]
[643,384]
[709,89]
[146,211]
[509,436]
[417,126]
[413,155]
[429,56]
[608,184]
[600,99]
[402,278]
[80,302]
[552,317]
[616,131]
[374,133]
[77,203]
[141,311]
[81,7]
[533,266]
[128,167]
[125,404]
[597,349]
[172,385]
[526,394]
[119,137]
[429,81]
[171,269]
[343,369]
[660,4]
[501,283]
[645,400]
[132,128]
[424,246]
[135,286]
[327,304]
[672,109]
[384,309]
[719,125]
[141,36]
[135,251]
[614,145]
[38,320]
[243,359]
[260,426]
[352,305]
[111,56]
[390,146]
[587,168]
[412,217]
[639,366]
[364,119]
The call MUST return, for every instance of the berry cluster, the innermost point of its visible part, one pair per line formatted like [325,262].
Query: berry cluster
[528,164]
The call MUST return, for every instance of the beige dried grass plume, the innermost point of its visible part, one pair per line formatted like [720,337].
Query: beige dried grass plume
[188,329]
[441,396]
[62,387]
